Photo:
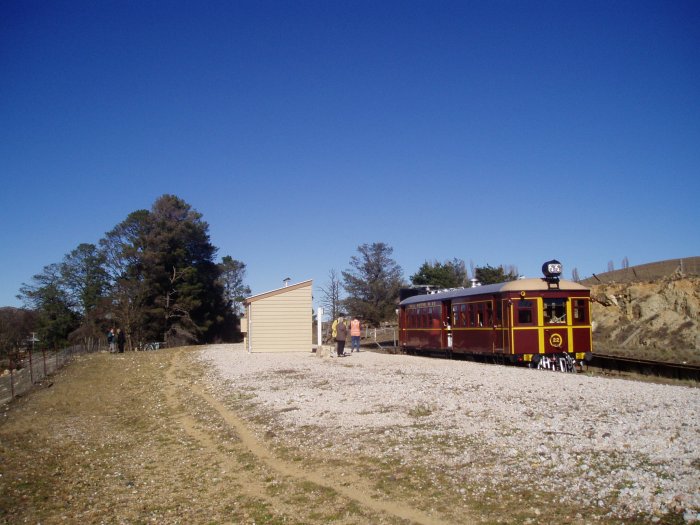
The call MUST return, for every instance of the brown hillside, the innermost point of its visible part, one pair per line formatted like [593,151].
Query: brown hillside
[657,320]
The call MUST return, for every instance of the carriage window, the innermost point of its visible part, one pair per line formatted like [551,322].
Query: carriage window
[499,314]
[463,315]
[480,315]
[579,311]
[489,314]
[554,311]
[524,312]
[471,314]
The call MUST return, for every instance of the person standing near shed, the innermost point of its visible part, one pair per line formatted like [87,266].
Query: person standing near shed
[121,339]
[355,332]
[340,336]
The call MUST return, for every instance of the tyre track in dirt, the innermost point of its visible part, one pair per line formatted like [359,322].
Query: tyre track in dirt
[248,440]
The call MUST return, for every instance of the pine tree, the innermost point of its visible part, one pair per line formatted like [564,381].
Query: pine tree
[185,297]
[373,283]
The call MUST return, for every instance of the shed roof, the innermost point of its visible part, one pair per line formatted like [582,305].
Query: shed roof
[278,291]
[534,284]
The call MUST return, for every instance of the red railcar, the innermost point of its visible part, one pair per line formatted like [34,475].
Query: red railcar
[542,322]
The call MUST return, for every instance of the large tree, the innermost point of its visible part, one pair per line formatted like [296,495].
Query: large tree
[154,276]
[232,273]
[57,316]
[490,275]
[85,281]
[185,298]
[450,274]
[123,250]
[84,278]
[372,283]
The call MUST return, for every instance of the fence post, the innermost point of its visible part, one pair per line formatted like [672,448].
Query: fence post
[12,378]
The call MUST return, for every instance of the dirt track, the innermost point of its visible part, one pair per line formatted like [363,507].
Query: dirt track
[134,438]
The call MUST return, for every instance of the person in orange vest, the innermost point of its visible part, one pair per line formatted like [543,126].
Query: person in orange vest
[355,332]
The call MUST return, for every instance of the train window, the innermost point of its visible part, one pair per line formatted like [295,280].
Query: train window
[524,312]
[554,311]
[480,315]
[489,314]
[579,311]
[470,312]
[463,315]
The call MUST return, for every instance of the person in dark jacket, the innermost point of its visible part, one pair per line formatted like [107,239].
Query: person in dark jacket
[340,337]
[121,339]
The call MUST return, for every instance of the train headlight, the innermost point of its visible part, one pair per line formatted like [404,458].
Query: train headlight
[552,269]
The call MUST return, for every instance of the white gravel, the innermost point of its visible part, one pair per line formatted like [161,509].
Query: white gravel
[628,446]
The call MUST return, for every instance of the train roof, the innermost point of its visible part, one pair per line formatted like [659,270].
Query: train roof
[534,284]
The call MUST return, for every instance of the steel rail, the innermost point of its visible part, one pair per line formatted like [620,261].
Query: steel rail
[644,367]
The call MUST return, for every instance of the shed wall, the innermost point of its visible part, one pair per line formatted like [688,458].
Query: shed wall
[282,322]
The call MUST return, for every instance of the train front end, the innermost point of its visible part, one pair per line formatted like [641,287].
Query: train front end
[548,321]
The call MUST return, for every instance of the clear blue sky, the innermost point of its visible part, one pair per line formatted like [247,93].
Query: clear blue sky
[497,132]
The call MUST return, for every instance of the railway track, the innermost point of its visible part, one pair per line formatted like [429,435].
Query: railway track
[386,341]
[612,363]
[603,363]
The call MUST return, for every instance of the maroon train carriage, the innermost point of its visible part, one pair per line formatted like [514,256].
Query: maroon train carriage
[542,322]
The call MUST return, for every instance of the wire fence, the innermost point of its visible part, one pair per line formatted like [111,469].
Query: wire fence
[383,337]
[24,370]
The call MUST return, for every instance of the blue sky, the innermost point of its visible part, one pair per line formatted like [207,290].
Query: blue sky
[497,132]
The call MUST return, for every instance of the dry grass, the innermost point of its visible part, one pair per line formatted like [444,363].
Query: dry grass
[136,438]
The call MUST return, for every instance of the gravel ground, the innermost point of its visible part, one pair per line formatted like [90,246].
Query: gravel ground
[626,446]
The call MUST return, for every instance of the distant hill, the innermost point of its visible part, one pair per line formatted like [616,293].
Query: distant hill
[651,311]
[686,267]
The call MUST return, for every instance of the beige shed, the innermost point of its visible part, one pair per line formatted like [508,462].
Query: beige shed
[280,320]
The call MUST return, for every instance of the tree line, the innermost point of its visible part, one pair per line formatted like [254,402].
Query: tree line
[373,282]
[154,276]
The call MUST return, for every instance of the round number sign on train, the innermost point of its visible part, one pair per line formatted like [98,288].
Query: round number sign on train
[555,340]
